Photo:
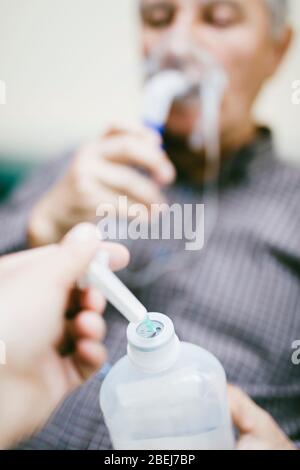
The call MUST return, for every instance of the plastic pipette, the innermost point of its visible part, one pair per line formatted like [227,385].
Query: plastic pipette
[100,276]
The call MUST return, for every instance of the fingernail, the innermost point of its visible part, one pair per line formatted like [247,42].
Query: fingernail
[168,172]
[82,232]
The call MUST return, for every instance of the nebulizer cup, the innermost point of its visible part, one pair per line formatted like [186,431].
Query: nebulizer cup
[180,72]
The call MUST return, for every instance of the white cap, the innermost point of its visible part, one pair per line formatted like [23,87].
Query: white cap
[156,352]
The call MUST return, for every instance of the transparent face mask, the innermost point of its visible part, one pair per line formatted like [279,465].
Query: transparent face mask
[184,73]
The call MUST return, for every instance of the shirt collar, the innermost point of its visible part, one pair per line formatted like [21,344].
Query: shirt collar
[239,165]
[235,167]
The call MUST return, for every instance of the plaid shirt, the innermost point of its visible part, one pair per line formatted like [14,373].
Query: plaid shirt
[239,297]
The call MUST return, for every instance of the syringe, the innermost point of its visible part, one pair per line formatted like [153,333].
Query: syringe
[101,277]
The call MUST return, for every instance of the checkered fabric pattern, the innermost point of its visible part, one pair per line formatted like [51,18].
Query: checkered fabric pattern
[239,297]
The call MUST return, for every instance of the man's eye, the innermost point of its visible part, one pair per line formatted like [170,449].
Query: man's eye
[221,15]
[158,16]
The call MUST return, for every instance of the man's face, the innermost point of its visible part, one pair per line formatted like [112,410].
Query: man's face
[236,32]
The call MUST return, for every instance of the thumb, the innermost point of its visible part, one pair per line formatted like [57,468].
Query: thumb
[243,410]
[77,250]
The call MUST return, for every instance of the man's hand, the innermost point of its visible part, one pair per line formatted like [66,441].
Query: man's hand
[52,332]
[100,173]
[257,429]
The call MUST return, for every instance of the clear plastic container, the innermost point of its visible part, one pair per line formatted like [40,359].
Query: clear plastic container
[166,394]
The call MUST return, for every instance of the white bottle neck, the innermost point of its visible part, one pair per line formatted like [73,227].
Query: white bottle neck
[153,355]
[157,360]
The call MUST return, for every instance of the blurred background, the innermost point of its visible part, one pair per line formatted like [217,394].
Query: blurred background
[72,66]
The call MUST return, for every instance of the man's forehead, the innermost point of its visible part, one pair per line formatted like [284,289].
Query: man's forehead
[241,4]
[192,2]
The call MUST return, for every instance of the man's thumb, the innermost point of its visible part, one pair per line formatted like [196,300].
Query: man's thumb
[243,409]
[77,250]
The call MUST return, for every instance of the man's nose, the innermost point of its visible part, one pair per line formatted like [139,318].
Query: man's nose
[181,33]
[185,31]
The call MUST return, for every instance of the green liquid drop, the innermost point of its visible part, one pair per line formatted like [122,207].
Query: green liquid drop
[150,325]
[149,329]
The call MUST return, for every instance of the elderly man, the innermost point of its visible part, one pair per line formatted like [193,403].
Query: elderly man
[239,297]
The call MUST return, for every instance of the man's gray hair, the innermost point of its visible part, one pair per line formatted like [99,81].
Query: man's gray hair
[279,11]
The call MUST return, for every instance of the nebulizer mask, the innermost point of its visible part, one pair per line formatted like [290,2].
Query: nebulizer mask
[180,72]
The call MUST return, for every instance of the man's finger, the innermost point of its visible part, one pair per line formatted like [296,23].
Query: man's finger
[118,255]
[243,409]
[133,129]
[89,357]
[151,158]
[92,299]
[88,325]
[79,248]
[129,182]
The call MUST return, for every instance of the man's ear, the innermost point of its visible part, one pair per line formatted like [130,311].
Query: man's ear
[280,47]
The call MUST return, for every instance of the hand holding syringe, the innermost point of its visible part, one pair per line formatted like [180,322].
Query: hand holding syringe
[100,276]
